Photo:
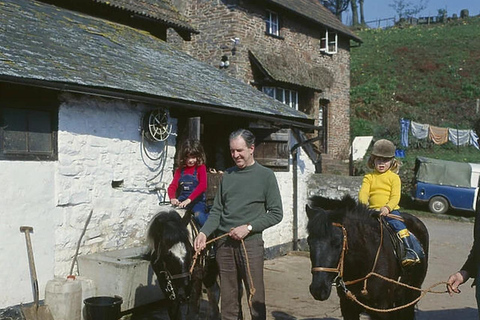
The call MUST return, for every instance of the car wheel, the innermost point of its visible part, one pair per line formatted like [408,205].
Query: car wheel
[438,205]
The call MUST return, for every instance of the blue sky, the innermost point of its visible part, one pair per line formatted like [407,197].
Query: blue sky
[380,9]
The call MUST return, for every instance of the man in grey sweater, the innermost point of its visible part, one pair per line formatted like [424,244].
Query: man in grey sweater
[248,201]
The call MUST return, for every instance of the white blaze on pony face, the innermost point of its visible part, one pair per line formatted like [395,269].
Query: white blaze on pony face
[179,251]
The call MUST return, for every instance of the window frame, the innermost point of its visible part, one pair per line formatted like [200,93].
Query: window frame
[272,20]
[290,100]
[328,45]
[28,153]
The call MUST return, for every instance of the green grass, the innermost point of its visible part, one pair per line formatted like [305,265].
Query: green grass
[428,74]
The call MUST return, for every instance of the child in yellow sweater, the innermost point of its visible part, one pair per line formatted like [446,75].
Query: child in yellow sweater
[381,191]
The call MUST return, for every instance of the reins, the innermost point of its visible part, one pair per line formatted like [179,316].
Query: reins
[339,268]
[338,281]
[252,288]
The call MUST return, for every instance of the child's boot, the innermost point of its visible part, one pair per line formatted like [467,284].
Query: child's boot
[410,257]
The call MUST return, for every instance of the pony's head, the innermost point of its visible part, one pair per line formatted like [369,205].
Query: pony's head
[170,254]
[325,239]
[325,242]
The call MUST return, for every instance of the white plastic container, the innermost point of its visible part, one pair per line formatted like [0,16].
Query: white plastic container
[64,298]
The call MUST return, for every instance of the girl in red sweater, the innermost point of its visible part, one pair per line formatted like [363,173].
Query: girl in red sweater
[189,183]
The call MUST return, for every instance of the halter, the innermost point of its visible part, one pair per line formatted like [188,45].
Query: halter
[338,281]
[169,286]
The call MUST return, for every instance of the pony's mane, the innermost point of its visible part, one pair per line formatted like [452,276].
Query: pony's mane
[334,210]
[166,227]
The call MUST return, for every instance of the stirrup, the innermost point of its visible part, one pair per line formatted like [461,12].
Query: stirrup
[409,261]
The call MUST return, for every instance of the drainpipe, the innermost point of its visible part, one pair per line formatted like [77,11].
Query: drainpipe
[295,195]
[294,152]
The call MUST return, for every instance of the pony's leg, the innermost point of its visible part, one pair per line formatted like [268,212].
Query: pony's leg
[195,298]
[350,310]
[213,293]
[210,281]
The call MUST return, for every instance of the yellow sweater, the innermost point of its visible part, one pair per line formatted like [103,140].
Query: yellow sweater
[381,189]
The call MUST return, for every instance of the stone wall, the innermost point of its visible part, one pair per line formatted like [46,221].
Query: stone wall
[334,186]
[219,23]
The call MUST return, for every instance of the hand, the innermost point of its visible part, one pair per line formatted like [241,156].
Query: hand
[174,202]
[200,242]
[184,203]
[384,211]
[239,232]
[455,280]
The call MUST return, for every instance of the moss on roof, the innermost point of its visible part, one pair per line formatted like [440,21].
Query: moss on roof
[46,43]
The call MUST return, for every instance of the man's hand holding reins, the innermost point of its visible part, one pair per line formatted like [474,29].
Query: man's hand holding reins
[240,232]
[200,242]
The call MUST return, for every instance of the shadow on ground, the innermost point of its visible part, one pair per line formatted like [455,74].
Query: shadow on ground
[449,314]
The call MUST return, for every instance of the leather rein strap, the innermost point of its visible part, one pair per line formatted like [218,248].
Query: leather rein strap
[339,268]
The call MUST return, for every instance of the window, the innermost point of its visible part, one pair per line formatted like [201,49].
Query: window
[27,134]
[272,24]
[289,97]
[329,43]
[322,123]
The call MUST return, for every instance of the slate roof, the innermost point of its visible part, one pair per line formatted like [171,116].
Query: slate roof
[289,68]
[314,11]
[161,10]
[57,48]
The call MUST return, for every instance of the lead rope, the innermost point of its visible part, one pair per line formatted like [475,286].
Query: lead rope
[423,292]
[252,288]
[249,273]
[364,290]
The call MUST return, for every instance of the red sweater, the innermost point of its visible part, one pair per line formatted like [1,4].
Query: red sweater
[202,181]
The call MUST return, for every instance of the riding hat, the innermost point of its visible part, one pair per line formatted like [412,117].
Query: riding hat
[383,148]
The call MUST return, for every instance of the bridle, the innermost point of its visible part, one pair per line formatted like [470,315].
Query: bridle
[338,281]
[169,289]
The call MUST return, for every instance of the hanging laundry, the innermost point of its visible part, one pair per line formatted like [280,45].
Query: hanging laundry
[404,126]
[459,137]
[474,139]
[419,130]
[438,135]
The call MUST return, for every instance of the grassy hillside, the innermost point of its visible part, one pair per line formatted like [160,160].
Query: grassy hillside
[428,74]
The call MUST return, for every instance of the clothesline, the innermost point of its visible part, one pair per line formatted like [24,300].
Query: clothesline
[437,135]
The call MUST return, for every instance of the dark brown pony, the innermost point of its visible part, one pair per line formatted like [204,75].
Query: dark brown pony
[171,257]
[347,232]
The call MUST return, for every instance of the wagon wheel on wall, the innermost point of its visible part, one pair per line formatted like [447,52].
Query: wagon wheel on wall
[156,125]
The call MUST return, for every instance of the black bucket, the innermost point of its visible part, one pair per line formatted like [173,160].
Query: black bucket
[103,308]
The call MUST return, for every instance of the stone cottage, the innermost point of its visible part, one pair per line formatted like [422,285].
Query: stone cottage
[296,51]
[93,102]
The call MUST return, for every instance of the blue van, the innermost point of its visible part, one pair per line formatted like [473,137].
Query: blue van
[446,184]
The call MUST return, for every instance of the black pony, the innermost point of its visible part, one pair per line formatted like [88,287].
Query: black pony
[171,256]
[344,238]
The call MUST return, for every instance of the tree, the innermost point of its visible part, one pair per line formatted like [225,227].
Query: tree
[362,15]
[405,9]
[336,6]
[354,13]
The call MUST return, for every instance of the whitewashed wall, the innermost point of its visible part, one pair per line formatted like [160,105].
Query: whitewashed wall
[283,232]
[99,141]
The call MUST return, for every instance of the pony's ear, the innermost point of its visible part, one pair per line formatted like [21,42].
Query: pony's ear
[310,212]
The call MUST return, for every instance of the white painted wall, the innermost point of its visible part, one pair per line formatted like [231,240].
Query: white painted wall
[99,141]
[283,232]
